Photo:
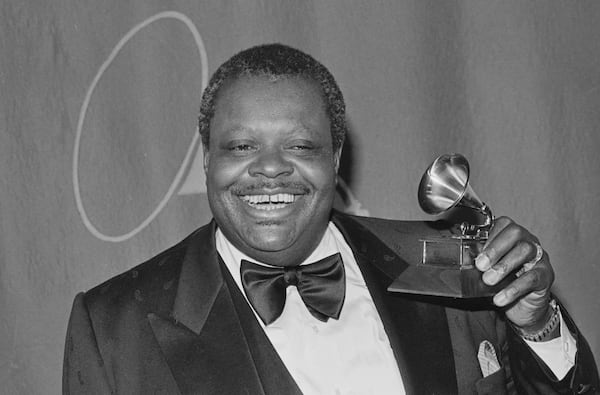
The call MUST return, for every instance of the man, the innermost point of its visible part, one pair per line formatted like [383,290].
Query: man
[241,307]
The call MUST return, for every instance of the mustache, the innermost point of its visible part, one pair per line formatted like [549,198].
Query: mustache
[248,189]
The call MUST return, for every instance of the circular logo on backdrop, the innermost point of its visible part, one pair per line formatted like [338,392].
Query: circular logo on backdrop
[190,178]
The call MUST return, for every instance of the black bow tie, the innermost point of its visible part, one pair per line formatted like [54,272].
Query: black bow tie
[321,285]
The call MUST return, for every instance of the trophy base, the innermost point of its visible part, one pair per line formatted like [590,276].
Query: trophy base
[448,269]
[437,281]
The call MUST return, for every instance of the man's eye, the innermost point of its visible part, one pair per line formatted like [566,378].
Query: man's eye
[241,147]
[301,147]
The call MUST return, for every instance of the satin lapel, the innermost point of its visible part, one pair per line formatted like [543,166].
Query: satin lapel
[203,342]
[274,376]
[418,331]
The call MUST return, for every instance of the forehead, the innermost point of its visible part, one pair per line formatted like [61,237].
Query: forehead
[292,96]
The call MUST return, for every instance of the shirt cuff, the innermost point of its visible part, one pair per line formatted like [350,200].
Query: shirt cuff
[558,354]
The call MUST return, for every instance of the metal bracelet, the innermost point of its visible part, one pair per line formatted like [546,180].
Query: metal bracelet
[550,326]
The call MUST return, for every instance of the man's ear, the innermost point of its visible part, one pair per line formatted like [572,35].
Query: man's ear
[337,156]
[205,157]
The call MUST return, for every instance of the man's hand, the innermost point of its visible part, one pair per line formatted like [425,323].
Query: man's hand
[526,300]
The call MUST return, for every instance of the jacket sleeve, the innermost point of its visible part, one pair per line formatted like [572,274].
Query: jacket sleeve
[532,376]
[83,367]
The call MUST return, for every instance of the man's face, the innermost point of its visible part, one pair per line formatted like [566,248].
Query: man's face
[270,167]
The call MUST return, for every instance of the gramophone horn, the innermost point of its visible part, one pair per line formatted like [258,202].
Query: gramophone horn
[445,184]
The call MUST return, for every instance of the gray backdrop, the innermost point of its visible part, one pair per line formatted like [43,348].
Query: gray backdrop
[99,154]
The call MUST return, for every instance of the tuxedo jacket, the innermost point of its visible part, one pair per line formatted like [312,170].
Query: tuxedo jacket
[178,324]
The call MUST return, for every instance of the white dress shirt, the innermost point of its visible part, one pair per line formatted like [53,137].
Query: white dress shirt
[351,355]
[558,353]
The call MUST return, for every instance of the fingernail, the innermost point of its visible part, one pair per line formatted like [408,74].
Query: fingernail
[503,297]
[490,277]
[482,261]
[500,299]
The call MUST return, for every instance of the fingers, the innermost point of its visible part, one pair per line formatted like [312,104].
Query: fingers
[509,246]
[535,284]
[515,257]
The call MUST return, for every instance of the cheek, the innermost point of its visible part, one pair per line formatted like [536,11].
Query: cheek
[222,173]
[321,175]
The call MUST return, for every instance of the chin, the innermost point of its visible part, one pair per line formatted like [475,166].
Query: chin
[271,240]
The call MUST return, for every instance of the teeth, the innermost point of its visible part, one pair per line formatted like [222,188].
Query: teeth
[269,202]
[281,197]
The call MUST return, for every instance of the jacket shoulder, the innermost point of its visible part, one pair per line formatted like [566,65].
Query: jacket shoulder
[148,284]
[399,235]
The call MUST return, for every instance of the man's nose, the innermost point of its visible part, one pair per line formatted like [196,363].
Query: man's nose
[270,163]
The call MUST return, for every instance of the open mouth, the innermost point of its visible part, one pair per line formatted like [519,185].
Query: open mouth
[269,202]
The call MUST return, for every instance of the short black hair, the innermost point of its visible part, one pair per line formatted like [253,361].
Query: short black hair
[276,60]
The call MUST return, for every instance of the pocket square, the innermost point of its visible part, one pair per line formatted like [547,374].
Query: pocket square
[488,360]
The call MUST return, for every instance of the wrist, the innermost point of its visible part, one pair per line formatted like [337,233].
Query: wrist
[546,329]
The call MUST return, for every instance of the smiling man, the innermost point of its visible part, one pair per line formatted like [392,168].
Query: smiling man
[281,294]
[271,167]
